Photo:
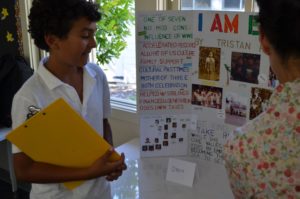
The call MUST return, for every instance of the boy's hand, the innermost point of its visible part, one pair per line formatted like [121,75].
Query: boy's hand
[103,167]
[118,172]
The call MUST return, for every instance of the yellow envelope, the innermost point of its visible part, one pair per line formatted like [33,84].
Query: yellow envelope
[59,135]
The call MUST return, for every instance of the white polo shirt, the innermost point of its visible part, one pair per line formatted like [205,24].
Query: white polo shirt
[42,89]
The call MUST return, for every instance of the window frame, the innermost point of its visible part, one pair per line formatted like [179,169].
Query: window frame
[249,4]
[31,52]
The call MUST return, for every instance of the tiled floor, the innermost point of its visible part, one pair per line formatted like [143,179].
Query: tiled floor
[6,192]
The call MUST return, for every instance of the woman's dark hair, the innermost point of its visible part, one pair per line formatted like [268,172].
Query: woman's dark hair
[56,17]
[280,22]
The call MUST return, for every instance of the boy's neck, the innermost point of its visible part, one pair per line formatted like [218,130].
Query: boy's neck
[70,75]
[62,71]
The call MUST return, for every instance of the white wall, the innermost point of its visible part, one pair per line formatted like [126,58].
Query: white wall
[124,126]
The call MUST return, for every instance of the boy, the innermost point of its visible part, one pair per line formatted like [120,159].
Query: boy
[65,28]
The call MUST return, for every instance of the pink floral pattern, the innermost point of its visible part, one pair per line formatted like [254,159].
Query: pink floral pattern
[263,158]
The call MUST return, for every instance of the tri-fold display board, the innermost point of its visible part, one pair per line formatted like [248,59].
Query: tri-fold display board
[201,74]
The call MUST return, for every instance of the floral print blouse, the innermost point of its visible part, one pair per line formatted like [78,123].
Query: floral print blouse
[263,158]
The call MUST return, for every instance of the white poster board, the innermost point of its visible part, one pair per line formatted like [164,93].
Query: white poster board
[205,69]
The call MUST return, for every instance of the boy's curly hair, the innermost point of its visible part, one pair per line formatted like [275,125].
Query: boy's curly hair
[56,17]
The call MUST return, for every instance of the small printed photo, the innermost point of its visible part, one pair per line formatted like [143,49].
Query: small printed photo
[147,141]
[144,148]
[173,135]
[235,109]
[151,148]
[165,143]
[209,63]
[273,81]
[259,101]
[166,127]
[166,135]
[183,126]
[158,146]
[168,120]
[207,96]
[180,139]
[156,140]
[245,67]
[174,125]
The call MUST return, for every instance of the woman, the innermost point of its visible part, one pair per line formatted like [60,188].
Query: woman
[263,159]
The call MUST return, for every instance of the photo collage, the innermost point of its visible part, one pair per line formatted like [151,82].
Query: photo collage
[164,134]
[244,70]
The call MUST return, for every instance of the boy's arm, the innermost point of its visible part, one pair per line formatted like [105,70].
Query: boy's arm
[28,170]
[107,134]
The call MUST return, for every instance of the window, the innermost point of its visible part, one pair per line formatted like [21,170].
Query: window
[255,7]
[121,74]
[234,5]
[31,52]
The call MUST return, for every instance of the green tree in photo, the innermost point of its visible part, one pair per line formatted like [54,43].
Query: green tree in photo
[113,28]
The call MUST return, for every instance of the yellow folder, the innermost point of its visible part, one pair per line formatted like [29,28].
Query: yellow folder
[59,135]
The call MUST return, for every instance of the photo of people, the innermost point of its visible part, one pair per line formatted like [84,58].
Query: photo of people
[273,81]
[245,67]
[209,63]
[235,109]
[259,101]
[207,96]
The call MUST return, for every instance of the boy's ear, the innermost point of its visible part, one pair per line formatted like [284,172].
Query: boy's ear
[51,41]
[265,44]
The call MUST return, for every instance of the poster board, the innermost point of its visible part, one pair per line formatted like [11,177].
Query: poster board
[205,69]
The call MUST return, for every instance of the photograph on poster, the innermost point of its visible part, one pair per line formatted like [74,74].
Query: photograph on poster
[245,67]
[235,109]
[273,81]
[166,135]
[259,101]
[209,63]
[207,96]
[151,148]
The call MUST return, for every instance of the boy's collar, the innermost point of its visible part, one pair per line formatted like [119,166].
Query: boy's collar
[50,80]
